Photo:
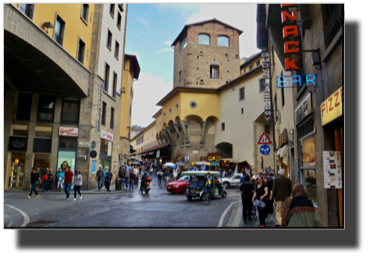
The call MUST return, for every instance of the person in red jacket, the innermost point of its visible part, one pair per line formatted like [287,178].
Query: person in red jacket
[68,178]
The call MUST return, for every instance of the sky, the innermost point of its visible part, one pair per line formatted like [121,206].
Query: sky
[151,29]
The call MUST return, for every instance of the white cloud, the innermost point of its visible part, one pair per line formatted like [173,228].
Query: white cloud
[148,91]
[165,50]
[168,43]
[240,16]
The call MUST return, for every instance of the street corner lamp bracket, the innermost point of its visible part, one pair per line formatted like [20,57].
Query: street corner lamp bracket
[315,56]
[48,25]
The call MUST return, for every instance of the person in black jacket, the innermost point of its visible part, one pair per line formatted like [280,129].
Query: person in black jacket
[108,180]
[34,176]
[247,189]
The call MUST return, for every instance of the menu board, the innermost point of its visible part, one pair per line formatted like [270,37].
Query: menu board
[332,170]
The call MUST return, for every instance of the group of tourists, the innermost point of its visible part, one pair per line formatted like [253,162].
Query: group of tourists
[127,176]
[292,206]
[62,179]
[167,174]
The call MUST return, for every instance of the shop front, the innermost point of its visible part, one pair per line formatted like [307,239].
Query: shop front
[42,150]
[105,154]
[67,151]
[333,124]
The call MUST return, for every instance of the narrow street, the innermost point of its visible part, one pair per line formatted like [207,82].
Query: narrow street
[157,209]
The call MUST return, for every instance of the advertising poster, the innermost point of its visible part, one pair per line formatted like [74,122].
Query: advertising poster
[93,164]
[332,169]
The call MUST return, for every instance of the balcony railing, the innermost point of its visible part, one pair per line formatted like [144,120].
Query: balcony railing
[81,58]
[27,10]
[333,24]
[58,39]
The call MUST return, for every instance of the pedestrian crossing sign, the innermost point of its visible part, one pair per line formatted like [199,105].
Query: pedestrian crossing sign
[264,139]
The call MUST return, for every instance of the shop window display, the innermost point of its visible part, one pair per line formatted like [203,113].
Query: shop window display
[17,170]
[308,167]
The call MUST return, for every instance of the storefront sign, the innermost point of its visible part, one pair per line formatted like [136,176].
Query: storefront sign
[17,143]
[187,158]
[68,131]
[202,167]
[304,108]
[93,165]
[332,169]
[195,152]
[84,144]
[107,135]
[331,108]
[158,154]
[293,44]
[296,81]
[265,68]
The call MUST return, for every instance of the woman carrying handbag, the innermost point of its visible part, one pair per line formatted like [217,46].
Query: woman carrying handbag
[259,199]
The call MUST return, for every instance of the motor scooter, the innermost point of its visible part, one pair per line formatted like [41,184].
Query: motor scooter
[145,185]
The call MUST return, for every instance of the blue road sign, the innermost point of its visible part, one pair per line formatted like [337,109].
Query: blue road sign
[265,149]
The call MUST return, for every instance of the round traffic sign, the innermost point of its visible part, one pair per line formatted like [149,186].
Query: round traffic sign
[265,149]
[93,154]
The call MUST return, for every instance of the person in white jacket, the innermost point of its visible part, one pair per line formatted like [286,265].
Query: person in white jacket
[175,174]
[77,180]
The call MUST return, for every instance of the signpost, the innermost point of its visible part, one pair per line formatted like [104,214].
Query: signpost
[264,139]
[265,150]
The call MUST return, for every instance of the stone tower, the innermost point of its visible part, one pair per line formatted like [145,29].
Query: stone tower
[206,55]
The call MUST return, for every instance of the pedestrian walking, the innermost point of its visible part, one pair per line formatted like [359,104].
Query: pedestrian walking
[260,195]
[298,211]
[208,181]
[159,174]
[99,177]
[45,179]
[175,174]
[282,188]
[224,173]
[34,177]
[68,179]
[121,176]
[132,177]
[50,178]
[268,200]
[108,179]
[59,180]
[77,184]
[247,190]
[126,177]
[178,172]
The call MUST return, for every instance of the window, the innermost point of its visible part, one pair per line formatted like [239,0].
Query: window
[28,10]
[223,126]
[112,9]
[109,39]
[24,106]
[106,147]
[130,110]
[85,12]
[275,108]
[242,111]
[214,72]
[46,108]
[183,43]
[59,30]
[203,39]
[116,50]
[112,118]
[119,20]
[241,94]
[266,129]
[179,77]
[333,18]
[81,51]
[131,92]
[250,67]
[283,96]
[114,82]
[70,112]
[262,86]
[106,77]
[104,108]
[223,41]
[308,166]
[258,63]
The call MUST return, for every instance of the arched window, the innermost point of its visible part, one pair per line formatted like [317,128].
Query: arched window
[203,39]
[223,41]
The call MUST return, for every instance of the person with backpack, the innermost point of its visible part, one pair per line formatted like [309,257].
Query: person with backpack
[121,176]
[34,176]
[45,179]
[247,189]
[108,179]
[208,187]
[77,181]
[132,177]
[99,177]
[59,180]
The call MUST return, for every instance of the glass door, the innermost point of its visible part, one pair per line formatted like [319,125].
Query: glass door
[17,170]
[65,159]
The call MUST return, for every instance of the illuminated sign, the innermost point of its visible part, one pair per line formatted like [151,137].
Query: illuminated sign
[331,108]
[293,43]
[304,108]
[296,81]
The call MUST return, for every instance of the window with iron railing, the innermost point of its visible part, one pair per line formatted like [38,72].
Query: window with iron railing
[59,30]
[28,10]
[333,23]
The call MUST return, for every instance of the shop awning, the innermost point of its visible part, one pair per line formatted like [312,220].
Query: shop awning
[283,154]
[153,149]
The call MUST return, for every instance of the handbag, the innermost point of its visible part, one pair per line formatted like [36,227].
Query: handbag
[259,203]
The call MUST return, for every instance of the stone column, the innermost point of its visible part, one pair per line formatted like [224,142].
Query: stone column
[203,125]
[176,126]
[167,136]
[169,129]
[184,125]
[8,118]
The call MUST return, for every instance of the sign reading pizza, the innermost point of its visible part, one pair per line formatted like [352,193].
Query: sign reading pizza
[68,131]
[107,135]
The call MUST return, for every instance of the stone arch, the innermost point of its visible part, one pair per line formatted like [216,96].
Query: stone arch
[193,117]
[214,118]
[225,148]
[177,119]
[164,125]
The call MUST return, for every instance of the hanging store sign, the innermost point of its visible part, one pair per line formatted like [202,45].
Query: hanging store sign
[332,169]
[107,135]
[293,42]
[296,81]
[291,137]
[265,68]
[304,108]
[17,143]
[68,131]
[331,108]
